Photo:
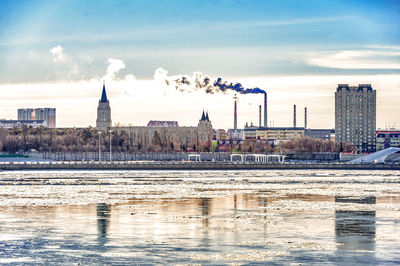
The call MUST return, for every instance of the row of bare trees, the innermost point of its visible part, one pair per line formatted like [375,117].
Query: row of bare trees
[87,140]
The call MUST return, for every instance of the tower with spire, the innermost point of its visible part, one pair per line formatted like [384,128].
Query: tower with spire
[103,111]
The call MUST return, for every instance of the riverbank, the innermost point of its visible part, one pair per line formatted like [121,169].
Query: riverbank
[188,165]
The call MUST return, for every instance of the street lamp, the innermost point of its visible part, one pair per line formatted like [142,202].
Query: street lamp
[99,146]
[110,143]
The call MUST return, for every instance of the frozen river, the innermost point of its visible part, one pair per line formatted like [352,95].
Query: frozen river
[204,217]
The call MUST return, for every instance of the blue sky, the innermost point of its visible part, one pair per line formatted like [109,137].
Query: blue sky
[233,39]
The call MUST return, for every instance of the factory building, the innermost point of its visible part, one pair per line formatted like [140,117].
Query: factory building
[355,116]
[48,115]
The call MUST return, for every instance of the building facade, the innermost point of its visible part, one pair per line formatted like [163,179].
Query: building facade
[273,133]
[46,114]
[387,139]
[20,123]
[325,134]
[103,111]
[355,116]
[166,135]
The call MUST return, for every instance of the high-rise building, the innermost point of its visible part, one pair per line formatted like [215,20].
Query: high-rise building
[355,116]
[46,114]
[103,111]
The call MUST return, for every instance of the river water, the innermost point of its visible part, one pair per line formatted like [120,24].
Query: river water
[200,217]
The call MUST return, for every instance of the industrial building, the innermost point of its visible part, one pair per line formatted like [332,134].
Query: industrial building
[355,116]
[48,115]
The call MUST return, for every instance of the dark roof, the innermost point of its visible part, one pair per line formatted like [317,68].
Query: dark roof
[104,95]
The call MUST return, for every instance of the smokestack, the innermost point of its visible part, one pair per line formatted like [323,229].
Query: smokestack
[294,116]
[259,115]
[265,110]
[235,113]
[305,117]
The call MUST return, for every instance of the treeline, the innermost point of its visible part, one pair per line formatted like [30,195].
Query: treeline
[87,140]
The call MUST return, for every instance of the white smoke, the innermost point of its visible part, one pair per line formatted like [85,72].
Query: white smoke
[58,53]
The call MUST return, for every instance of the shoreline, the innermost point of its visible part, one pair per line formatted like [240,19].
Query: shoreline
[175,165]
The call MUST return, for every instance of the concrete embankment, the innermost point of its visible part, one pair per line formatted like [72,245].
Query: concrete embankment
[188,166]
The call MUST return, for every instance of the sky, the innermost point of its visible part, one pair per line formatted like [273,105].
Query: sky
[58,53]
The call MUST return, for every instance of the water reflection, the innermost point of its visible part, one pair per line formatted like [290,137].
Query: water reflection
[355,230]
[103,221]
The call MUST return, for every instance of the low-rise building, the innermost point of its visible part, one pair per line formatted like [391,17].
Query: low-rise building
[387,138]
[19,123]
[325,134]
[274,133]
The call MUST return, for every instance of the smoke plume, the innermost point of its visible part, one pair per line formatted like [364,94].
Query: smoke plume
[200,81]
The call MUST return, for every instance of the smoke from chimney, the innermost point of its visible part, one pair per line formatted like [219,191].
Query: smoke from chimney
[200,81]
[294,116]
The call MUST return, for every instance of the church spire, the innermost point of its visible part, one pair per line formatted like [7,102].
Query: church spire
[104,94]
[206,118]
[203,117]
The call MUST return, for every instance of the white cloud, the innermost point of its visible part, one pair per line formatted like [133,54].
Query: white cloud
[114,66]
[58,53]
[379,58]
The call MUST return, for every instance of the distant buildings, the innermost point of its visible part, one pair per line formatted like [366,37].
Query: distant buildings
[166,134]
[387,138]
[48,115]
[103,111]
[325,134]
[19,123]
[355,116]
[273,133]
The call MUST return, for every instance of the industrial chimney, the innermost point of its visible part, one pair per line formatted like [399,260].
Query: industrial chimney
[265,110]
[235,113]
[259,115]
[305,117]
[294,116]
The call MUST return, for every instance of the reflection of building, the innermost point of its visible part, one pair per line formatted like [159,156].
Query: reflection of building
[387,138]
[103,217]
[103,111]
[19,123]
[355,116]
[355,230]
[46,114]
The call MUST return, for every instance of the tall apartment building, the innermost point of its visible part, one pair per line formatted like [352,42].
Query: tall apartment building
[46,114]
[355,116]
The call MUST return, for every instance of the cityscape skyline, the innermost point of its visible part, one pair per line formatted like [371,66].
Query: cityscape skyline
[58,54]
